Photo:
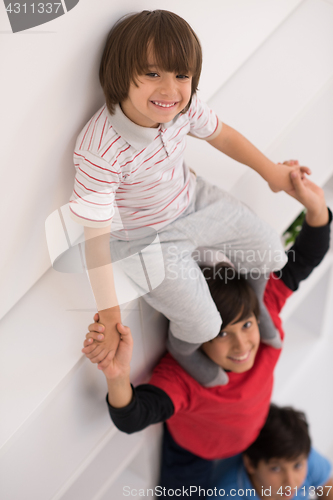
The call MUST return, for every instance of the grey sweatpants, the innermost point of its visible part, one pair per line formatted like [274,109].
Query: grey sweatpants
[217,220]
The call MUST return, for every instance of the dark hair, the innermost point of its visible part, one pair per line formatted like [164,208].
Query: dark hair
[284,435]
[232,294]
[176,48]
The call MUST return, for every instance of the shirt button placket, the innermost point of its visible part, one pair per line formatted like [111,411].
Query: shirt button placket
[165,143]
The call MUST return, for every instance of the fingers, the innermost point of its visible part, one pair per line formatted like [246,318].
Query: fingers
[96,327]
[95,336]
[123,330]
[291,163]
[94,354]
[96,317]
[125,333]
[305,170]
[295,163]
[91,350]
[106,361]
[88,348]
[88,343]
[95,330]
[99,357]
[297,182]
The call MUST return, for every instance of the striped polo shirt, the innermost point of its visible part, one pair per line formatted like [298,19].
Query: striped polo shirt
[135,176]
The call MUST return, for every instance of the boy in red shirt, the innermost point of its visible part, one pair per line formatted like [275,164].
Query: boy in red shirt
[207,423]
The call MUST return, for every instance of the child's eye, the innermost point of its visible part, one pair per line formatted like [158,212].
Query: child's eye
[153,75]
[182,77]
[275,468]
[222,335]
[247,324]
[298,465]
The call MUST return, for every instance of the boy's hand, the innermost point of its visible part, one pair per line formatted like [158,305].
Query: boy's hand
[312,197]
[113,365]
[108,343]
[280,177]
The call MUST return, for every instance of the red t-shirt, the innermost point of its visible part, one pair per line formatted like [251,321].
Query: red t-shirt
[219,422]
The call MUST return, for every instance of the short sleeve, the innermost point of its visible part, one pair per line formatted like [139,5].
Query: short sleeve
[167,377]
[96,182]
[204,123]
[319,470]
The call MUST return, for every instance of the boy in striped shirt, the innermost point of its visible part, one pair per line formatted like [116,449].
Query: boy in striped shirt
[131,179]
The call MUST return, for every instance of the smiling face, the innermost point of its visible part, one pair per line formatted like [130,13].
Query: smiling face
[278,474]
[174,47]
[236,346]
[157,96]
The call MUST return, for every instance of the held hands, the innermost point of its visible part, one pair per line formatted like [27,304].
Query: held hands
[106,345]
[279,179]
[114,364]
[312,197]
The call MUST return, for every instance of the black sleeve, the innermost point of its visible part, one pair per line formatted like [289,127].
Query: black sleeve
[308,251]
[149,405]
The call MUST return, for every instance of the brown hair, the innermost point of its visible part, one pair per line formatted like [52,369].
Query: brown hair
[176,49]
[232,294]
[285,435]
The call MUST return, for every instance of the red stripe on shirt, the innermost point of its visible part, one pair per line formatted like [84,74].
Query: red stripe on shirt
[110,146]
[93,202]
[99,180]
[100,140]
[130,161]
[92,190]
[181,128]
[85,133]
[92,134]
[98,166]
[155,213]
[86,218]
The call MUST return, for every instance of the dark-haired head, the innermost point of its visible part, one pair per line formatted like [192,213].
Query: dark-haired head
[285,435]
[172,41]
[236,345]
[232,294]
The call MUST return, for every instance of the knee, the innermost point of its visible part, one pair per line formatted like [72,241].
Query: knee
[277,258]
[272,256]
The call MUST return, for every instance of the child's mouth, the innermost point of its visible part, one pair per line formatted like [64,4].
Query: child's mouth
[164,104]
[240,359]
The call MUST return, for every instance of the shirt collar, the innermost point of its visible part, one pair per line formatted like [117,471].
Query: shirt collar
[135,135]
[243,481]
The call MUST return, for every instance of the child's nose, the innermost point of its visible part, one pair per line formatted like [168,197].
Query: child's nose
[289,480]
[239,342]
[168,85]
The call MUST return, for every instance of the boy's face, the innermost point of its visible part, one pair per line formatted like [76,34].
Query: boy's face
[158,97]
[236,346]
[277,473]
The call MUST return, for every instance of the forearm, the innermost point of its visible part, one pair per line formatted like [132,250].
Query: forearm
[103,287]
[149,405]
[317,218]
[235,145]
[119,391]
[99,266]
[307,252]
